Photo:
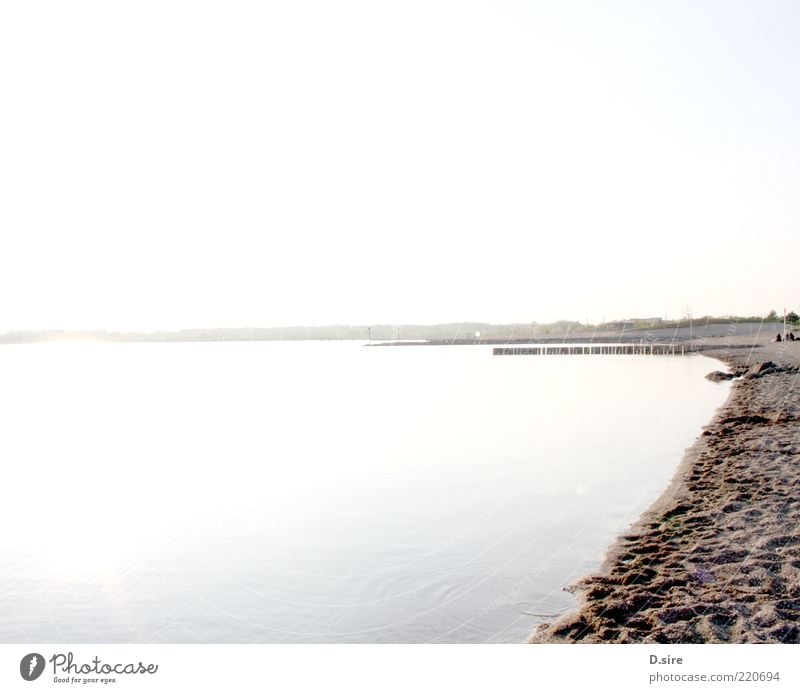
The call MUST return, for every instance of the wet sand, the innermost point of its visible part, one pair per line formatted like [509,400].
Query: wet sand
[717,558]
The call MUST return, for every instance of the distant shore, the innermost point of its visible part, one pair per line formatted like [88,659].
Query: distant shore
[405,334]
[717,558]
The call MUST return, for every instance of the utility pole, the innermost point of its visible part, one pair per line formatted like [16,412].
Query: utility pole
[689,318]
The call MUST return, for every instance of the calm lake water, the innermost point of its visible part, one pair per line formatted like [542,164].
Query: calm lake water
[321,492]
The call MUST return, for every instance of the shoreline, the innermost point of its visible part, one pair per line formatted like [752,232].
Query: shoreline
[716,558]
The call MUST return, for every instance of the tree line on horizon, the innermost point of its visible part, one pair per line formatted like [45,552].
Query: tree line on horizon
[457,331]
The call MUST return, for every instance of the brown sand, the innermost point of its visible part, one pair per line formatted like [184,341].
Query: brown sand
[717,558]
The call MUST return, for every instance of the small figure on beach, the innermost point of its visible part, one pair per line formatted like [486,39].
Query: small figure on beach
[790,336]
[778,337]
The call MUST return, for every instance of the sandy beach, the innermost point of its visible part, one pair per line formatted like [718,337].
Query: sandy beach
[717,558]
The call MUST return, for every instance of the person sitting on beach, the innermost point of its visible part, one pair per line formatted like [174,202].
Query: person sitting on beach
[790,336]
[778,337]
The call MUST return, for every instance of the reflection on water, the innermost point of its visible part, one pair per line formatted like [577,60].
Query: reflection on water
[321,492]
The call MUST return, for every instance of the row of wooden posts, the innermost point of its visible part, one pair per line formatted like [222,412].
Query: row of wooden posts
[587,349]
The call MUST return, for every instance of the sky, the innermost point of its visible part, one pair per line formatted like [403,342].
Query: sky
[174,164]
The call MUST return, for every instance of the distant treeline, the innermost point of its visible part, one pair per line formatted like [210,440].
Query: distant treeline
[457,331]
[650,323]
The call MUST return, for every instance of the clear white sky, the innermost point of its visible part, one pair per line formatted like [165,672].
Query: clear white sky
[172,164]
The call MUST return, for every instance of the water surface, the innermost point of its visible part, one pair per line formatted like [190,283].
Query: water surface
[321,492]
